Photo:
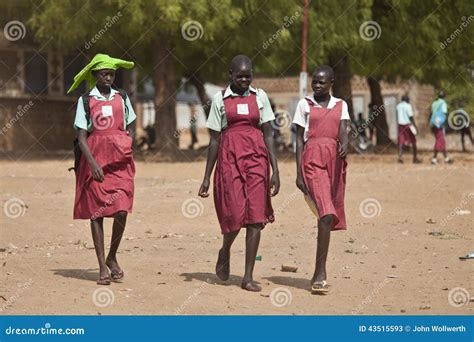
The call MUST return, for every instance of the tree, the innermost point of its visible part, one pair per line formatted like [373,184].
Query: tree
[159,35]
[409,45]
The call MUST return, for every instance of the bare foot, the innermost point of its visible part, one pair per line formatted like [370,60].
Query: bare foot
[104,277]
[251,286]
[223,265]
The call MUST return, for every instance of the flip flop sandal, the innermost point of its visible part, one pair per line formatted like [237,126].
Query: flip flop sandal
[104,281]
[117,276]
[320,287]
[467,257]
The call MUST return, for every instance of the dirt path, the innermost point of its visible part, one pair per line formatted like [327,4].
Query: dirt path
[392,263]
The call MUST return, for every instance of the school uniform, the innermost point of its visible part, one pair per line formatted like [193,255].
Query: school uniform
[324,172]
[111,147]
[242,174]
[405,134]
[439,109]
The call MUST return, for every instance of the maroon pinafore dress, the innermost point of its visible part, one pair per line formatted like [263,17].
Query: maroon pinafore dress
[440,142]
[323,171]
[111,147]
[242,175]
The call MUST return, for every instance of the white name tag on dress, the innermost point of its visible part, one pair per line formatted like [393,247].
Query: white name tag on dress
[242,109]
[107,111]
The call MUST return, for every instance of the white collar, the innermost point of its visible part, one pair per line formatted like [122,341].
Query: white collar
[228,92]
[95,92]
[332,101]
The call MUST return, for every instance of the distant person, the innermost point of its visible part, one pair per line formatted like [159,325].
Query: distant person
[373,108]
[465,128]
[361,125]
[439,112]
[193,125]
[148,141]
[407,129]
[281,119]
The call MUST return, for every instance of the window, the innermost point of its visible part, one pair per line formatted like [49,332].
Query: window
[36,73]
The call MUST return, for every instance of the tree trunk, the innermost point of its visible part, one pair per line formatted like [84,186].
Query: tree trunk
[164,79]
[342,80]
[380,119]
[196,80]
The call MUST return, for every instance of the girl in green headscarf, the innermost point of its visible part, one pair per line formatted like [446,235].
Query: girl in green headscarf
[104,182]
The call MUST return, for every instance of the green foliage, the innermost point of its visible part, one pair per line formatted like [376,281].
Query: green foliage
[412,44]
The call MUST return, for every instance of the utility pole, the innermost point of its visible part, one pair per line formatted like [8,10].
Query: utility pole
[304,47]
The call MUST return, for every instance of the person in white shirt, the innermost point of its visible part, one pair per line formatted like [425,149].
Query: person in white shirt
[322,122]
[407,129]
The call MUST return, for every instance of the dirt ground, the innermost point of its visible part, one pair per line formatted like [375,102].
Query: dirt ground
[408,226]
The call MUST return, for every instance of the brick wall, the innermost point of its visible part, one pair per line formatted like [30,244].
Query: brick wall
[35,124]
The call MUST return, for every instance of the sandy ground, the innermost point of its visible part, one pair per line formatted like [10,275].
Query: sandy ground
[408,224]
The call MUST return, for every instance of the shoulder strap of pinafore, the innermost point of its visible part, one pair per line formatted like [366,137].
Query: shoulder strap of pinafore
[123,93]
[86,103]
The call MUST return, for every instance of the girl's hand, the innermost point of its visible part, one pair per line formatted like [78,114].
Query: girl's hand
[203,190]
[97,172]
[301,185]
[275,183]
[342,151]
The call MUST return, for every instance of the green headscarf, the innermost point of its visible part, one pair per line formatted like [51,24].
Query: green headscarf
[99,62]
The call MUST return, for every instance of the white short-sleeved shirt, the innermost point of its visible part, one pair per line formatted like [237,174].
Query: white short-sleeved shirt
[217,120]
[81,121]
[301,117]
[404,113]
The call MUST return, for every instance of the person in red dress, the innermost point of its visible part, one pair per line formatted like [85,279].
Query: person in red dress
[242,144]
[407,129]
[105,176]
[322,138]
